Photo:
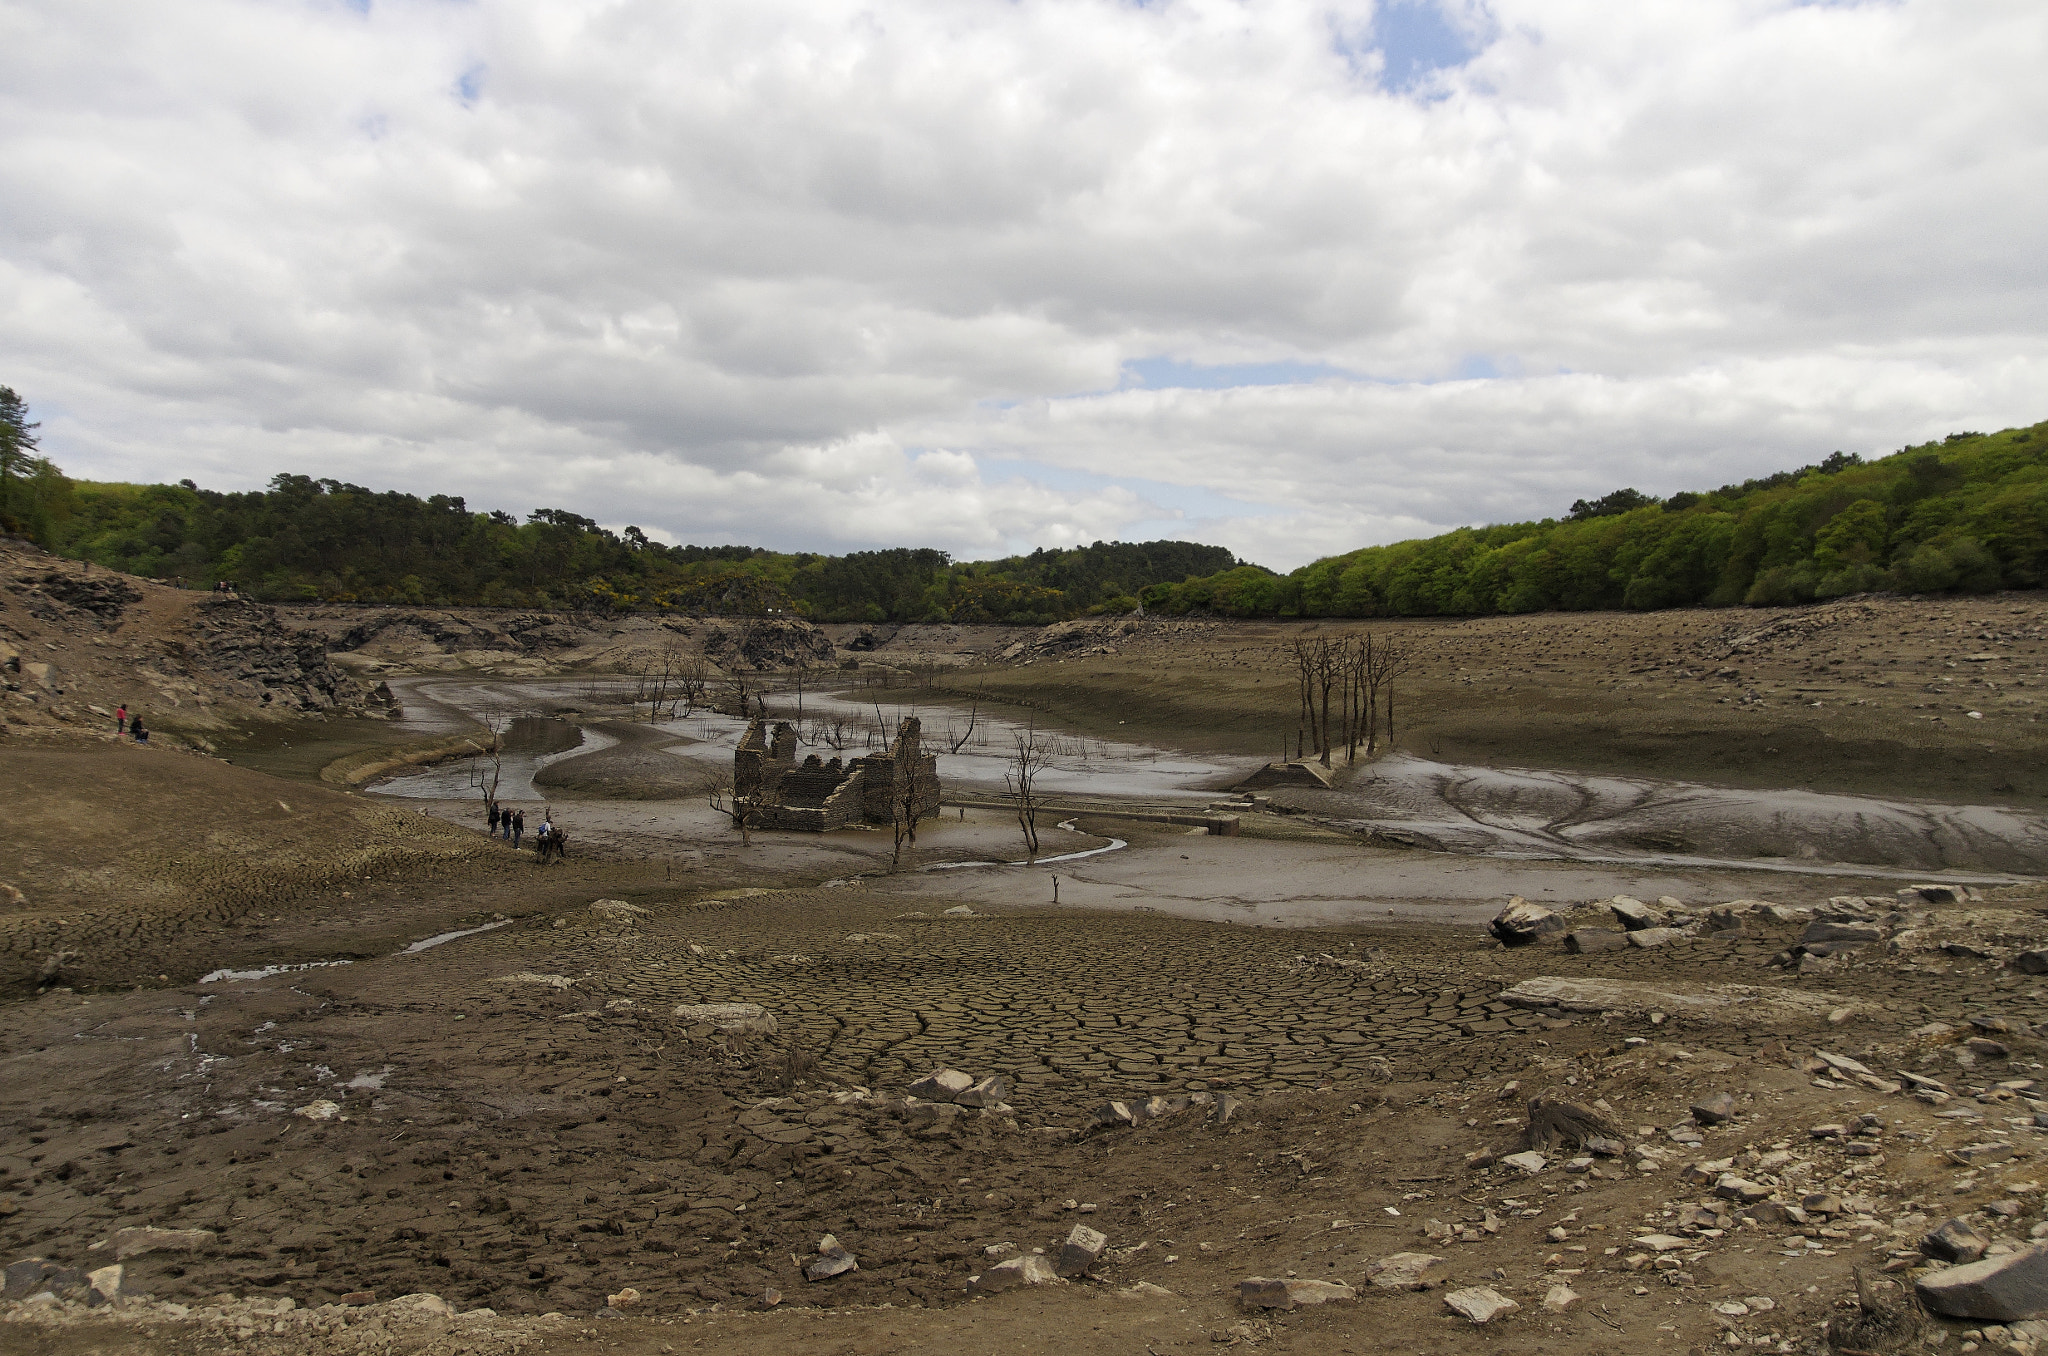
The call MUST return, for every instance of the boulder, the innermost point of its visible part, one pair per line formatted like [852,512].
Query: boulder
[1082,1250]
[1521,923]
[1955,1241]
[1933,894]
[1480,1304]
[2031,962]
[1633,914]
[1714,1110]
[1263,1292]
[1657,936]
[943,1085]
[1999,1289]
[1594,939]
[1403,1271]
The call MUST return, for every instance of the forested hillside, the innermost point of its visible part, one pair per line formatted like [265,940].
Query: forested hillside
[1967,513]
[321,539]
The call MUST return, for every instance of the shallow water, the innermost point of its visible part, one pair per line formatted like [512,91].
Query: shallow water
[265,972]
[1114,845]
[1079,764]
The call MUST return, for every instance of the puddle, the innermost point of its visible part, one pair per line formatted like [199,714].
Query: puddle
[435,941]
[226,976]
[265,972]
[1113,845]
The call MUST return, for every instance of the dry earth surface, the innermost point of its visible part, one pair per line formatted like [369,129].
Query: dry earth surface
[531,1136]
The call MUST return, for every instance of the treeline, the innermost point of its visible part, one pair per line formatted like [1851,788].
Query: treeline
[1968,513]
[304,539]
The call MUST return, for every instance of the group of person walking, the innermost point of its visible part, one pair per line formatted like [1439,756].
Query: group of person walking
[510,825]
[125,724]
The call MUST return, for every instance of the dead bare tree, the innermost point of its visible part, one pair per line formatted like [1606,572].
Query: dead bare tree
[799,673]
[831,731]
[1317,668]
[1399,664]
[743,809]
[487,769]
[692,685]
[1027,761]
[1384,660]
[955,745]
[903,818]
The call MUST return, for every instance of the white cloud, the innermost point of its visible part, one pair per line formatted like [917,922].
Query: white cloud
[799,273]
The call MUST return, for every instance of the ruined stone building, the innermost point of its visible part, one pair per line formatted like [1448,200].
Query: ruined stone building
[819,795]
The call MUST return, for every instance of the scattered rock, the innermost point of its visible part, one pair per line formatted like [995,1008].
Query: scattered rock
[1480,1304]
[1821,930]
[1521,923]
[991,1091]
[1261,1292]
[833,1260]
[625,1299]
[1633,914]
[1971,1154]
[1955,1241]
[1144,1290]
[1657,936]
[2002,1289]
[943,1085]
[1662,1242]
[1587,940]
[1029,1269]
[1081,1251]
[619,911]
[734,1019]
[319,1111]
[135,1241]
[1528,1161]
[1403,1271]
[1560,1298]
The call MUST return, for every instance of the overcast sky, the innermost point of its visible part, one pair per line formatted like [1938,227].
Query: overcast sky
[1292,277]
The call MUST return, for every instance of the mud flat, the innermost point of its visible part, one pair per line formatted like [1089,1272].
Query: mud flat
[453,1072]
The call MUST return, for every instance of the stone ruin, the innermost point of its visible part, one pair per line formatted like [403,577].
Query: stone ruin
[816,795]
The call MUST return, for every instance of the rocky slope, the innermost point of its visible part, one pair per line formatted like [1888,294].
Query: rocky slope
[77,644]
[517,644]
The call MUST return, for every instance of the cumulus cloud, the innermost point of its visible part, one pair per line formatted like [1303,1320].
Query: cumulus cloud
[1291,276]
